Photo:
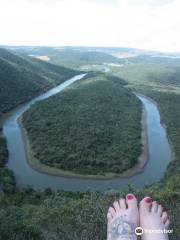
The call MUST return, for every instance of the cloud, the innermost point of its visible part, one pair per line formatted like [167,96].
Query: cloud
[141,24]
[147,3]
[152,3]
[105,2]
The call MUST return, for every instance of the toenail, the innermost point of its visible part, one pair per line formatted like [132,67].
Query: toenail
[130,196]
[160,204]
[148,200]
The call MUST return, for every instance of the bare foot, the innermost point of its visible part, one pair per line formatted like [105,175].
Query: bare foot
[122,219]
[153,220]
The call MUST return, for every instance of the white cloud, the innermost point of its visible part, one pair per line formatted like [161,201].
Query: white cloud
[150,24]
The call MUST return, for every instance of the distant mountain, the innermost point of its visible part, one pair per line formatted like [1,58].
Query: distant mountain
[22,78]
[40,50]
[154,59]
[115,51]
[78,58]
[69,56]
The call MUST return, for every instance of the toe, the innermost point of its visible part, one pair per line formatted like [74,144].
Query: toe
[154,207]
[109,217]
[116,206]
[164,217]
[160,210]
[122,203]
[145,204]
[131,200]
[112,211]
[167,223]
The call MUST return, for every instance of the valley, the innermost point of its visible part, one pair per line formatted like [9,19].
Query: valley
[30,200]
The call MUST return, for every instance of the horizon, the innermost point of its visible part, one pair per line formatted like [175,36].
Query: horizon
[85,46]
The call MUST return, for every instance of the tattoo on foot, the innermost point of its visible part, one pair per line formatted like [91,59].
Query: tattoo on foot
[120,228]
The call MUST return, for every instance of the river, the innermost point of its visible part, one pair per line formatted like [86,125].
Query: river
[158,147]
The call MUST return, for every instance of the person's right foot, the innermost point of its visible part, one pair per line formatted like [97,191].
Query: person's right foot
[153,219]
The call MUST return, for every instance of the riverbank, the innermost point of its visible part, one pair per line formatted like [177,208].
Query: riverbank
[163,125]
[42,168]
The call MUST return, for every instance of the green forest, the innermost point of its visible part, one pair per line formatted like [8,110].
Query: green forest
[92,127]
[22,78]
[71,57]
[27,214]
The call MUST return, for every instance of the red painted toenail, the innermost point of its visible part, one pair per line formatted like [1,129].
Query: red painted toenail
[130,196]
[148,200]
[160,204]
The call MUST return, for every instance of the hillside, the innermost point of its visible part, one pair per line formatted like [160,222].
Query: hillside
[154,59]
[72,57]
[141,76]
[21,78]
[93,127]
[75,58]
[79,56]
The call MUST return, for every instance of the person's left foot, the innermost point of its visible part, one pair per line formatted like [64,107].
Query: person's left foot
[123,218]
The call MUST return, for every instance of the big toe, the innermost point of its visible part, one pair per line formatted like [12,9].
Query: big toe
[131,201]
[145,204]
[109,217]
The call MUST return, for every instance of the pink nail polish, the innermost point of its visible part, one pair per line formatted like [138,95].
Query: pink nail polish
[130,196]
[148,200]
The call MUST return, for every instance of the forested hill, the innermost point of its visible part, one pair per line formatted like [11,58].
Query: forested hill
[22,78]
[71,57]
[91,128]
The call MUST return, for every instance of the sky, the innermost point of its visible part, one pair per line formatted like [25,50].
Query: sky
[144,24]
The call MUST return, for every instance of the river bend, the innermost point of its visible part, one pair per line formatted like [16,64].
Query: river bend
[158,147]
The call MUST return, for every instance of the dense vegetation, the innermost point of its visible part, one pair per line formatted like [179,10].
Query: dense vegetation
[92,127]
[21,78]
[150,59]
[46,215]
[73,58]
[161,83]
[7,181]
[28,214]
[143,76]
